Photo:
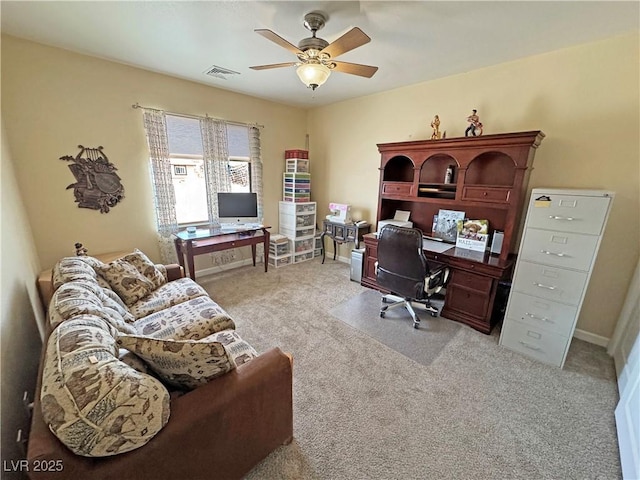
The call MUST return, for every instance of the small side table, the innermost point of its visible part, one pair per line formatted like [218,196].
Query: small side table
[342,233]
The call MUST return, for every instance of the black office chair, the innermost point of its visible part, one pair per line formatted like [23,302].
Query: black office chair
[403,270]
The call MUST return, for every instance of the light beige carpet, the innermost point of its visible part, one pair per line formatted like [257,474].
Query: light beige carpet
[364,411]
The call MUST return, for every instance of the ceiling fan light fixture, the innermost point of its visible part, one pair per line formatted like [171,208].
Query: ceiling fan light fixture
[313,74]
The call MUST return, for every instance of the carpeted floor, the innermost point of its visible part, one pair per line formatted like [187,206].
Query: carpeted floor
[472,410]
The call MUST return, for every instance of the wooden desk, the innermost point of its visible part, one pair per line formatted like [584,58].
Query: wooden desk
[472,286]
[208,241]
[342,233]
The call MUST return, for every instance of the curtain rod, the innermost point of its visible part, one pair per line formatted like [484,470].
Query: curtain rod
[136,105]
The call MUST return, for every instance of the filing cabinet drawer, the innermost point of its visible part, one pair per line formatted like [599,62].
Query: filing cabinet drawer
[563,249]
[539,344]
[552,283]
[568,213]
[537,312]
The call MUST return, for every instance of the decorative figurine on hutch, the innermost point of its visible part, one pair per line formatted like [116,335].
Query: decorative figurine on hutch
[474,125]
[435,124]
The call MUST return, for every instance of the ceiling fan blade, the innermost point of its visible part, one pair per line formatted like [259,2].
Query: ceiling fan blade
[273,65]
[275,38]
[355,69]
[354,38]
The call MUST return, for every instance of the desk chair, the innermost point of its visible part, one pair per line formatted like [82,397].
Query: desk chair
[403,270]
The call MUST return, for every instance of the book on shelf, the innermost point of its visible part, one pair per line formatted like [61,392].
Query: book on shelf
[446,225]
[473,234]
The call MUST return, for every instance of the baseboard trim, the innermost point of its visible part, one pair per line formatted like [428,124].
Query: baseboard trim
[591,337]
[228,266]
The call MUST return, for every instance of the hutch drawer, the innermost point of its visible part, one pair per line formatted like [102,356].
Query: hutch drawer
[397,188]
[467,301]
[563,249]
[486,194]
[471,280]
[474,266]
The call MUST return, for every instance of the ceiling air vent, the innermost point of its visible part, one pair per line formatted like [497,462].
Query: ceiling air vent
[220,72]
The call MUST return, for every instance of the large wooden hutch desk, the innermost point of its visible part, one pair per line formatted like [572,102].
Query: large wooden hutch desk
[472,286]
[490,178]
[207,240]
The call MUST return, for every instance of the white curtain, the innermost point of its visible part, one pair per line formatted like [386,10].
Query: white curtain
[216,173]
[255,156]
[165,199]
[216,162]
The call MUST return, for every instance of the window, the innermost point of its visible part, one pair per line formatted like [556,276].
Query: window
[186,156]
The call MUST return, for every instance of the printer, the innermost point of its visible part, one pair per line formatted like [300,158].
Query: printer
[400,219]
[398,223]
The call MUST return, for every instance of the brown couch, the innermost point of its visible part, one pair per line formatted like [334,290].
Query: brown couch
[220,430]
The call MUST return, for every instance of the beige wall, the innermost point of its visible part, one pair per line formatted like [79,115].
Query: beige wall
[585,99]
[54,100]
[20,311]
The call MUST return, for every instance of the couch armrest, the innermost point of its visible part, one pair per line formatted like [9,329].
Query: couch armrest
[174,271]
[222,430]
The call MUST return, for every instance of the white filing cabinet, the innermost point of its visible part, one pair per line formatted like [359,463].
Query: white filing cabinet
[298,223]
[560,242]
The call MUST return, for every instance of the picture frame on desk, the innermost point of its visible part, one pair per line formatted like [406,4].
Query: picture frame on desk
[472,234]
[446,226]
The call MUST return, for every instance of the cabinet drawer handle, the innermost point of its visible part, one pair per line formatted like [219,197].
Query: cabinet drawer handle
[529,346]
[541,285]
[536,317]
[557,217]
[547,252]
[484,194]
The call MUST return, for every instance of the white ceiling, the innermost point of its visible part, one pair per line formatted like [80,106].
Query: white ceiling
[411,42]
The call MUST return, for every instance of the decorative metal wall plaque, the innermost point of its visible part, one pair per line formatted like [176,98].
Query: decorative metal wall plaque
[97,185]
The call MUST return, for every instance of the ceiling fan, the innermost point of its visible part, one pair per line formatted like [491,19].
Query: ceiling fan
[316,55]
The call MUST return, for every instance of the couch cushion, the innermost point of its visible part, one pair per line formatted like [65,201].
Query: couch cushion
[71,269]
[126,280]
[170,294]
[76,298]
[146,267]
[190,363]
[95,404]
[191,320]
